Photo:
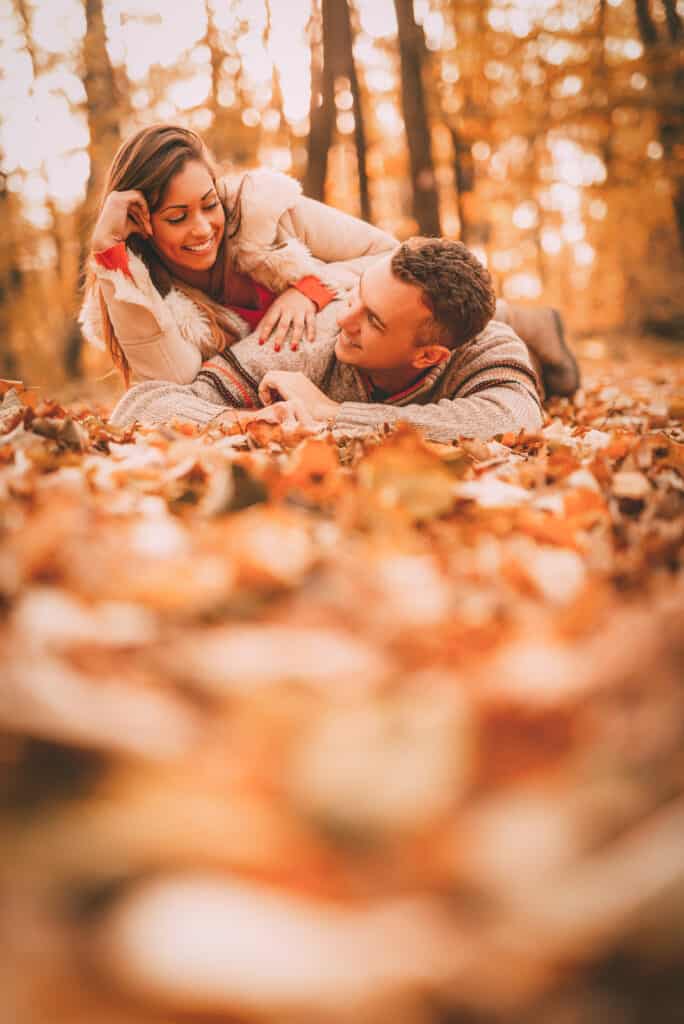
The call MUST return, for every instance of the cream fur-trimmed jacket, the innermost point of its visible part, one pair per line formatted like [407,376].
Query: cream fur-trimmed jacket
[283,237]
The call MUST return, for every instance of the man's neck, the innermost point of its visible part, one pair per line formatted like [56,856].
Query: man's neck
[393,381]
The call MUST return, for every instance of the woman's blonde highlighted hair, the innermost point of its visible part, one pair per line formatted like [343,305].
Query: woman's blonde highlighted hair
[147,161]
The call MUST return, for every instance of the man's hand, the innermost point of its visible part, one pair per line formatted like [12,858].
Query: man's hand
[291,417]
[293,310]
[295,387]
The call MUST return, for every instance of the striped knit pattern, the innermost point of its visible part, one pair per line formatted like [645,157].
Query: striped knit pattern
[487,387]
[225,374]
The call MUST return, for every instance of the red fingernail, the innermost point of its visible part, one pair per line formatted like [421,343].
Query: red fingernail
[294,347]
[277,348]
[261,341]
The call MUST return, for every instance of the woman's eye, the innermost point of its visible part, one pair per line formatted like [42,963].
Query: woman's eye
[181,217]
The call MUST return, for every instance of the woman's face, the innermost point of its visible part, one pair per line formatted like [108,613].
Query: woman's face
[189,223]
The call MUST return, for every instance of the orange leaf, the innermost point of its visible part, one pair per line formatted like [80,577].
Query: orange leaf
[584,507]
[546,528]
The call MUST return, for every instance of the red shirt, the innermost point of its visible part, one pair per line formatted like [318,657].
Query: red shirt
[116,258]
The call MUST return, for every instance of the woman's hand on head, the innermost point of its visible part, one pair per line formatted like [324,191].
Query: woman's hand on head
[292,310]
[122,214]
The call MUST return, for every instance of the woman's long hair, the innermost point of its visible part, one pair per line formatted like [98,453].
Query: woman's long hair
[147,162]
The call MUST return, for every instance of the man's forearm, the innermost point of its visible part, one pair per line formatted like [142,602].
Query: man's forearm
[500,409]
[220,385]
[157,401]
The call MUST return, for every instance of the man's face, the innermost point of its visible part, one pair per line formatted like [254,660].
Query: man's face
[379,327]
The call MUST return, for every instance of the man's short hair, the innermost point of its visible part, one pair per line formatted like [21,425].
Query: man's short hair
[456,288]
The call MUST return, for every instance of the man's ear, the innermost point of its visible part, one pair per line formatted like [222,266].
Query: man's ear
[430,355]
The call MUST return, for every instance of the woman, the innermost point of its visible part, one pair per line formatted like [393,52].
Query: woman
[184,262]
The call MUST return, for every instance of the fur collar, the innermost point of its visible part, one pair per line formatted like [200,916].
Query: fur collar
[174,312]
[265,197]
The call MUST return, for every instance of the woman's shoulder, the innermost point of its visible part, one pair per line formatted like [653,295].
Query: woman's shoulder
[264,197]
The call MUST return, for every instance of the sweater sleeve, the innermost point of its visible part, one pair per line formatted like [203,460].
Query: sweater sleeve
[342,245]
[315,290]
[149,330]
[229,379]
[499,409]
[156,401]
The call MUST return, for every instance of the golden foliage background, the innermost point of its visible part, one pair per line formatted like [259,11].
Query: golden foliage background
[547,134]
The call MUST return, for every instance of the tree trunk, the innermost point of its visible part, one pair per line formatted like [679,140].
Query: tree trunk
[464,178]
[647,26]
[413,51]
[322,116]
[10,281]
[104,106]
[338,62]
[671,130]
[211,40]
[674,21]
[104,111]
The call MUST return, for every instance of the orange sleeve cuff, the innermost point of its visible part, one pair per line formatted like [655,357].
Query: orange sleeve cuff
[115,258]
[315,290]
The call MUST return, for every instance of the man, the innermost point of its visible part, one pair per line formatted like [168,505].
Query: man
[414,342]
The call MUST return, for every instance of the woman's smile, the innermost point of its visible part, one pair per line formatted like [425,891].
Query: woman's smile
[202,247]
[188,226]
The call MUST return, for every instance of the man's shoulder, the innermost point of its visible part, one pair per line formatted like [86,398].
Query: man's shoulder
[497,341]
[495,353]
[310,358]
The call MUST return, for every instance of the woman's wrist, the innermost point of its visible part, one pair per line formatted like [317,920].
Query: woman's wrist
[314,289]
[114,258]
[103,243]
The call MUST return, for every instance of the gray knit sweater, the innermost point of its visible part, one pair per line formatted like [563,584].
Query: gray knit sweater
[487,387]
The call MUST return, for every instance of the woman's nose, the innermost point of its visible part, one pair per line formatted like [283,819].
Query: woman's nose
[200,225]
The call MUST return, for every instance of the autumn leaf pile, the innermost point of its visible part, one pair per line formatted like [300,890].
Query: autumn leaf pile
[320,729]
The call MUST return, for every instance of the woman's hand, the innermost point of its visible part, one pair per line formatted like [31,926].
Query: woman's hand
[123,214]
[293,310]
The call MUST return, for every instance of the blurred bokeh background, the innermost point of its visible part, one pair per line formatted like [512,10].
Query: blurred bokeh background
[547,134]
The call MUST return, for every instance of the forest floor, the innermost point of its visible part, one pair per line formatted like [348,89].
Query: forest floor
[396,728]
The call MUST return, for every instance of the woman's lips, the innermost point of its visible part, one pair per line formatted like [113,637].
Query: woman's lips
[201,247]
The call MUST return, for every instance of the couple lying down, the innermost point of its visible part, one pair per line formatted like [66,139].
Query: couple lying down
[238,298]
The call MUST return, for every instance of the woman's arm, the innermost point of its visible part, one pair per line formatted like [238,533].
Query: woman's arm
[343,245]
[161,339]
[143,323]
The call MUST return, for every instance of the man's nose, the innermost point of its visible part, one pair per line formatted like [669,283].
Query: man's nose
[348,318]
